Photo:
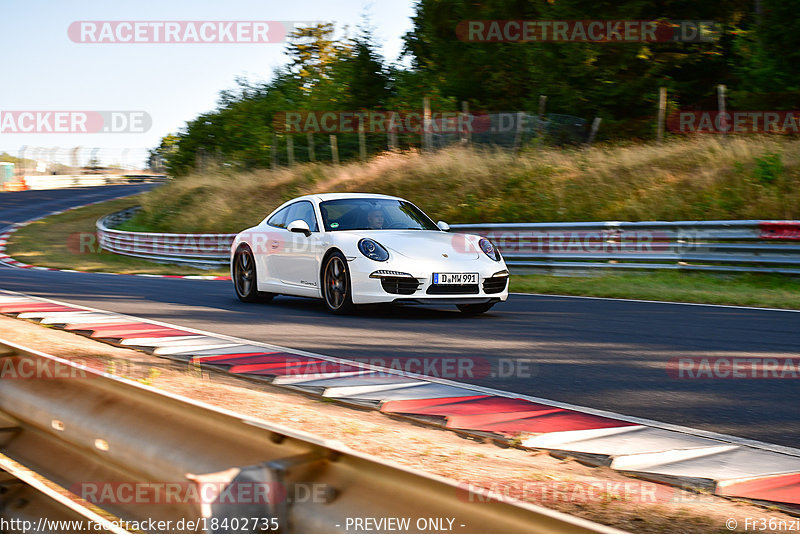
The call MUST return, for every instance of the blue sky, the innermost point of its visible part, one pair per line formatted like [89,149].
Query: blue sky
[44,70]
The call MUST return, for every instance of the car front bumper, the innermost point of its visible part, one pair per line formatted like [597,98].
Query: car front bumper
[369,287]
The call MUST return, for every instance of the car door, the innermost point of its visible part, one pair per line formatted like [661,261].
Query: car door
[299,259]
[268,245]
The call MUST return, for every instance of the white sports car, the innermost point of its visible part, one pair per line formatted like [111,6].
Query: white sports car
[356,248]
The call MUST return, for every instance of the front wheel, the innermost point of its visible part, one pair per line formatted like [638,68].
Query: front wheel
[336,290]
[475,309]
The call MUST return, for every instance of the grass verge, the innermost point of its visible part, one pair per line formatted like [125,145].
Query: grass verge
[67,241]
[695,179]
[760,290]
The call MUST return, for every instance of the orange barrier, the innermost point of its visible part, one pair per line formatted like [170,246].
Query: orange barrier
[14,186]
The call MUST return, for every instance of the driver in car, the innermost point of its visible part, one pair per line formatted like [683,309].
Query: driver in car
[375,219]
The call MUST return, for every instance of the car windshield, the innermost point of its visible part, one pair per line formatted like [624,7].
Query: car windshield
[373,214]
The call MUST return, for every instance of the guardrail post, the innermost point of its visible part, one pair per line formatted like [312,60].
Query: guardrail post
[278,470]
[427,133]
[466,132]
[334,149]
[662,112]
[391,134]
[542,108]
[362,141]
[22,168]
[311,154]
[593,133]
[722,122]
[518,134]
[290,149]
[274,152]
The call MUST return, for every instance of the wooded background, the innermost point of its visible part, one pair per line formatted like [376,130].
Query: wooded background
[755,55]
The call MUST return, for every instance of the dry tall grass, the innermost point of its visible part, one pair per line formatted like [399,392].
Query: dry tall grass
[703,178]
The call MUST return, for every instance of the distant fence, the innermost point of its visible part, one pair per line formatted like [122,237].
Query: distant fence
[515,130]
[307,136]
[735,246]
[62,181]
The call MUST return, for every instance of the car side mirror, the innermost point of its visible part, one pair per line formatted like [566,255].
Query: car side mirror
[443,226]
[299,226]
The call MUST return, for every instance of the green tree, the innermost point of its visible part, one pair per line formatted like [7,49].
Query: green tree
[767,54]
[313,52]
[159,157]
[362,74]
[617,81]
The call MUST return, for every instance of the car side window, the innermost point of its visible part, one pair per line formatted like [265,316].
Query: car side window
[279,219]
[303,211]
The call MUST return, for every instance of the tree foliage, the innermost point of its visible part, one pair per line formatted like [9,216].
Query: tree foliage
[754,54]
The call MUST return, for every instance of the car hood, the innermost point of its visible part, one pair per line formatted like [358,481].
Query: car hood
[427,244]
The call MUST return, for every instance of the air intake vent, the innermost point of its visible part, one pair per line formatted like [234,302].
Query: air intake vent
[400,285]
[495,284]
[471,289]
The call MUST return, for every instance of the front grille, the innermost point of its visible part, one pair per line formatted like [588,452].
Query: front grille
[471,289]
[495,284]
[400,285]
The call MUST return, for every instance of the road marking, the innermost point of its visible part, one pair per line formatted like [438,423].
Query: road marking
[656,302]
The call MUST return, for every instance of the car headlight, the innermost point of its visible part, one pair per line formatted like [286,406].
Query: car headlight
[373,250]
[489,249]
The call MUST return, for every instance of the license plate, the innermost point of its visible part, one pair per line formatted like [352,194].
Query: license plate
[454,279]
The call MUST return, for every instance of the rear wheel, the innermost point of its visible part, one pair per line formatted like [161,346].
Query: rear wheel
[336,290]
[475,309]
[245,280]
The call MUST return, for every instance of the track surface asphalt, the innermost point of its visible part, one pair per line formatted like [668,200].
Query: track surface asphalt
[604,354]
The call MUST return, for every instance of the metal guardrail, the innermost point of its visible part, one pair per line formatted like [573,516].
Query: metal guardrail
[737,246]
[26,501]
[89,428]
[193,249]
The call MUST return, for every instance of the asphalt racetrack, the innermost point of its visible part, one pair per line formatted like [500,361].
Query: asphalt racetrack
[605,354]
